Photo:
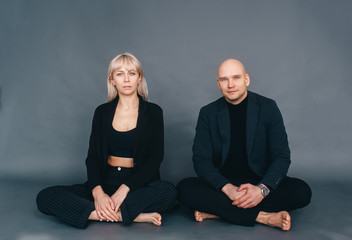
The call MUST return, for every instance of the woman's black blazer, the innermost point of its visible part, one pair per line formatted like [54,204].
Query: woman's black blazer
[148,149]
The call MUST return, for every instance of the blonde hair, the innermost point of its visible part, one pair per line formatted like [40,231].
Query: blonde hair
[131,62]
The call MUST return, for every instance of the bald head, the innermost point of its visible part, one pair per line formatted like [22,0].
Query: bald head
[230,65]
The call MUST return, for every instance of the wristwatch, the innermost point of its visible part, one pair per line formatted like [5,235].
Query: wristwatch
[264,189]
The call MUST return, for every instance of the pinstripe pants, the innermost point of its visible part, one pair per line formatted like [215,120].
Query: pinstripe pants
[73,204]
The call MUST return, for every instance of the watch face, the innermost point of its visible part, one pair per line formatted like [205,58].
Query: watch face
[265,192]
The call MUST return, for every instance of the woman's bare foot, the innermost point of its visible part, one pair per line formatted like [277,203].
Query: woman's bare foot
[154,218]
[280,219]
[93,216]
[200,216]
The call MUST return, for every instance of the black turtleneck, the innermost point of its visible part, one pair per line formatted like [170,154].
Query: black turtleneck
[236,167]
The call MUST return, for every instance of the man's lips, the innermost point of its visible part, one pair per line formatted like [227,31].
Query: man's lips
[233,91]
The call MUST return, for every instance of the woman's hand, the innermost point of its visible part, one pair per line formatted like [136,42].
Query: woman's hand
[104,205]
[119,196]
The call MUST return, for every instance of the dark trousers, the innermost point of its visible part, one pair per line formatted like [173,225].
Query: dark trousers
[197,194]
[73,204]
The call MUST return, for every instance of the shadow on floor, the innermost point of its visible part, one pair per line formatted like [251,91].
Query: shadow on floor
[327,217]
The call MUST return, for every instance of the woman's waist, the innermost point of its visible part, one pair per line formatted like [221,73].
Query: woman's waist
[120,162]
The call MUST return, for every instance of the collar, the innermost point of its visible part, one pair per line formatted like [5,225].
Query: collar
[142,108]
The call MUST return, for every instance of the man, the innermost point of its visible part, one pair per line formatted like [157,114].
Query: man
[241,155]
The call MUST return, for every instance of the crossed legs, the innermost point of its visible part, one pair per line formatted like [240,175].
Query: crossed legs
[208,202]
[75,205]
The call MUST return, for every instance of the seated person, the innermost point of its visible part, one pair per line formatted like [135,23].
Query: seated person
[126,149]
[241,155]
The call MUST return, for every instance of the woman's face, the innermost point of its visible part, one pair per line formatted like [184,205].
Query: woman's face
[126,80]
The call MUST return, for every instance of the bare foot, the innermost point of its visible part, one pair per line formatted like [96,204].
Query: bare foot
[200,216]
[281,219]
[154,218]
[93,216]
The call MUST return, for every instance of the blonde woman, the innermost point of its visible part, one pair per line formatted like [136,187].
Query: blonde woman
[126,148]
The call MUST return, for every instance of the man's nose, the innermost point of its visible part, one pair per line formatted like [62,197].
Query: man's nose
[231,83]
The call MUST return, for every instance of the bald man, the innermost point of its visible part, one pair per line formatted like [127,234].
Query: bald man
[241,155]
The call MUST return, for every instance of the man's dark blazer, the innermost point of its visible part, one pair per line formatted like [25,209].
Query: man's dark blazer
[267,147]
[148,149]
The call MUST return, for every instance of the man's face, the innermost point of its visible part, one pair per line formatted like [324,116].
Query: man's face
[233,81]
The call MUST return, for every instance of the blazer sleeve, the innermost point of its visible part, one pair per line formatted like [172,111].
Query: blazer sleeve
[150,153]
[203,153]
[94,166]
[278,150]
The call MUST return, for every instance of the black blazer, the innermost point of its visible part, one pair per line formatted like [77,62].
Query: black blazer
[266,141]
[148,150]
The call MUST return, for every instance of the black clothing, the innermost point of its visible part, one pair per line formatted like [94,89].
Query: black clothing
[237,144]
[148,148]
[197,194]
[73,204]
[121,144]
[236,166]
[267,149]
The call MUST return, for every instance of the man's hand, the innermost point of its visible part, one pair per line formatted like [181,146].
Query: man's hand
[104,205]
[252,197]
[119,196]
[232,192]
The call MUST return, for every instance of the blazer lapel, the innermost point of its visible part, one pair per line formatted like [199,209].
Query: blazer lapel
[141,123]
[223,121]
[251,122]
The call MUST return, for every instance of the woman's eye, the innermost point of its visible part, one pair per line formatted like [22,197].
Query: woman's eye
[132,74]
[119,74]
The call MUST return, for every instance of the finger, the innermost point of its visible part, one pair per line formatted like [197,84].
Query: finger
[117,207]
[112,204]
[242,187]
[246,204]
[242,199]
[99,213]
[252,203]
[108,213]
[113,213]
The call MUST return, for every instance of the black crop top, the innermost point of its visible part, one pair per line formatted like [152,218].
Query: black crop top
[121,144]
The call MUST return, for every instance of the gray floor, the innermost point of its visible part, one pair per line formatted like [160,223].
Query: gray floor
[328,217]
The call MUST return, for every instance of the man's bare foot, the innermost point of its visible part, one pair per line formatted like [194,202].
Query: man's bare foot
[154,218]
[200,216]
[280,219]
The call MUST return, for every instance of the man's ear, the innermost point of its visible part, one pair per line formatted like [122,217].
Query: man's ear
[248,79]
[218,83]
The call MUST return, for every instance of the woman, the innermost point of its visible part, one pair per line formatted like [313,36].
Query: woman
[126,148]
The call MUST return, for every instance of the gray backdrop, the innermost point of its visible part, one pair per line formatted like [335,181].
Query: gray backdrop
[54,57]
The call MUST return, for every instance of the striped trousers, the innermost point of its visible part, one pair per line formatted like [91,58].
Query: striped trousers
[73,204]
